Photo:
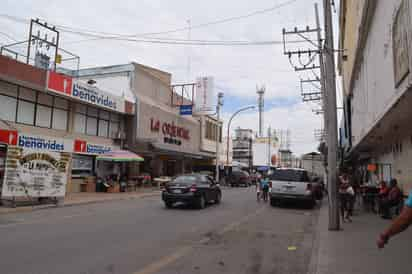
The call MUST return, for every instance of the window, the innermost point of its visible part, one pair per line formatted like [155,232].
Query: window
[211,129]
[59,119]
[8,108]
[114,128]
[43,116]
[25,112]
[103,128]
[82,165]
[45,99]
[91,126]
[27,94]
[80,123]
[61,103]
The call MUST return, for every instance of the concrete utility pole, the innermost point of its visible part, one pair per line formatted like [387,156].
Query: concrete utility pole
[331,126]
[218,133]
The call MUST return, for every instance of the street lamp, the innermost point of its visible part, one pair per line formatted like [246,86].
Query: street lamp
[218,106]
[228,129]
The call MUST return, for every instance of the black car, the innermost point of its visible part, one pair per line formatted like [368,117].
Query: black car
[240,178]
[194,189]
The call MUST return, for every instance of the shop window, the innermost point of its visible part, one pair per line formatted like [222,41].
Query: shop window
[114,129]
[104,115]
[93,112]
[59,119]
[103,128]
[82,165]
[91,126]
[81,108]
[25,112]
[43,116]
[114,117]
[8,108]
[80,123]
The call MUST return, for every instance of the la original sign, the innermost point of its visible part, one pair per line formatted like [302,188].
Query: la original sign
[169,129]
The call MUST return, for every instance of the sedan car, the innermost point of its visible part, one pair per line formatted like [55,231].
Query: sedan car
[194,189]
[240,178]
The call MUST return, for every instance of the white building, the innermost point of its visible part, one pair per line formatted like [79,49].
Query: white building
[376,76]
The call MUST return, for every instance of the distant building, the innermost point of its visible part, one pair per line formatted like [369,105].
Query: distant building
[313,162]
[264,151]
[242,147]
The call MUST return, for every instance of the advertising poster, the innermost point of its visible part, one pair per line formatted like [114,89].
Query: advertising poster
[35,173]
[205,96]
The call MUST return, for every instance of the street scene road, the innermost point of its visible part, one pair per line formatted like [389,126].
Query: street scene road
[141,236]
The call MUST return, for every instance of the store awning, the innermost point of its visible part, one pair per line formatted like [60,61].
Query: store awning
[163,149]
[120,156]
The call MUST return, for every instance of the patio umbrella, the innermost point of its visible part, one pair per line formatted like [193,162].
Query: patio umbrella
[120,156]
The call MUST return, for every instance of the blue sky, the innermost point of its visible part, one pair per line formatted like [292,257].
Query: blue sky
[236,69]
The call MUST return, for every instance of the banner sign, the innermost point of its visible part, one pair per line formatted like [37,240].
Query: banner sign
[95,96]
[8,137]
[34,173]
[81,91]
[186,110]
[81,146]
[204,95]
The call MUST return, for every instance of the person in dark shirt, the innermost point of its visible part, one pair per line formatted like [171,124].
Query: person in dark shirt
[392,199]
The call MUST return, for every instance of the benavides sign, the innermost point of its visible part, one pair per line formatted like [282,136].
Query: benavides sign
[76,89]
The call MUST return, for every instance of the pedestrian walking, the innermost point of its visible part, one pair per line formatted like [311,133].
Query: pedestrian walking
[258,191]
[401,223]
[264,185]
[345,198]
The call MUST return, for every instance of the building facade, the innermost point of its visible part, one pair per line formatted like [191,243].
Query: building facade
[375,65]
[242,148]
[170,143]
[52,127]
[314,163]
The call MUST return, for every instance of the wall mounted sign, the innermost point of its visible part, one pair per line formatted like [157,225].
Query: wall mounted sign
[400,41]
[169,129]
[76,89]
[81,146]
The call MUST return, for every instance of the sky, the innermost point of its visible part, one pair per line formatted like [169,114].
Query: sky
[237,70]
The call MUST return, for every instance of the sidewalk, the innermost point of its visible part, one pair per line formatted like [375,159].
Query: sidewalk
[353,249]
[73,199]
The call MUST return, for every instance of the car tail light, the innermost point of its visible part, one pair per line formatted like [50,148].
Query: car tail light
[270,184]
[193,188]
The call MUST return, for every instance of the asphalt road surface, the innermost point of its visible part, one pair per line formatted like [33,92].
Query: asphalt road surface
[142,237]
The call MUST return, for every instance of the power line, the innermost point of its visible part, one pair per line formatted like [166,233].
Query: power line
[98,35]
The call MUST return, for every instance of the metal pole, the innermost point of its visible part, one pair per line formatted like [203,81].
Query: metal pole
[29,45]
[219,104]
[228,129]
[330,107]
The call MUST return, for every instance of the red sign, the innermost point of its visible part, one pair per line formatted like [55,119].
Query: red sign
[80,146]
[169,129]
[59,83]
[8,136]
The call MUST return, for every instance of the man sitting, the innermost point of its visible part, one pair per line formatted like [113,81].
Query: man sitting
[392,199]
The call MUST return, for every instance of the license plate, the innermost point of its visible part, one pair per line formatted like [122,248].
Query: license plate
[289,189]
[177,191]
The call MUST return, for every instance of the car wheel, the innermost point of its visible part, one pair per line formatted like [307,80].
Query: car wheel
[272,202]
[168,204]
[218,198]
[201,202]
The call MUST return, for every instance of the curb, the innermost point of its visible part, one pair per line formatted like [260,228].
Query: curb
[41,207]
[313,263]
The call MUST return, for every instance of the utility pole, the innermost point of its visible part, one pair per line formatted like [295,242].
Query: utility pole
[261,106]
[330,108]
[218,133]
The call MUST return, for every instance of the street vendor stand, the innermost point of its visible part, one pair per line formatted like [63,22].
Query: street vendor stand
[119,156]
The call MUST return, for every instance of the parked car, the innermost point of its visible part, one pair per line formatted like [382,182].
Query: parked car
[194,189]
[240,178]
[291,184]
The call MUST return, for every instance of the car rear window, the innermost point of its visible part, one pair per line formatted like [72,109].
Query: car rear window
[187,179]
[290,175]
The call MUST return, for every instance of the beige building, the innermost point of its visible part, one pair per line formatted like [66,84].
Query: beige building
[170,143]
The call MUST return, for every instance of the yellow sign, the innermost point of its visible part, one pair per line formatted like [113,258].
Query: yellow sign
[58,59]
